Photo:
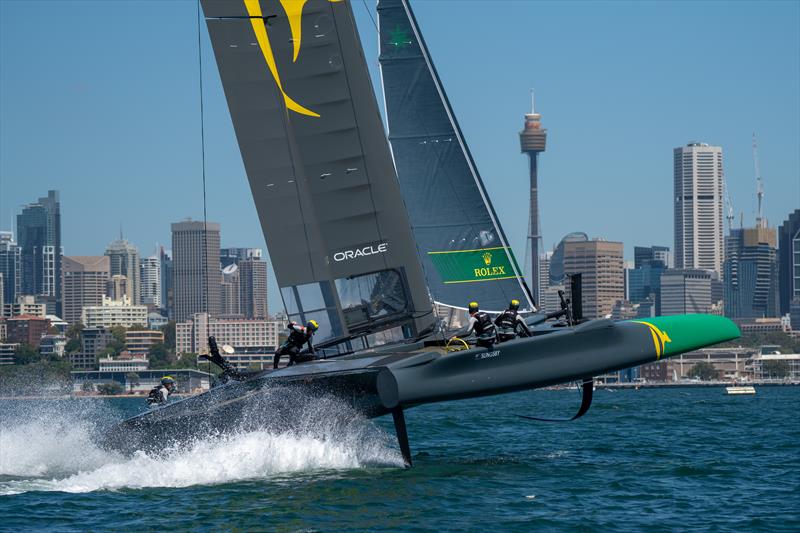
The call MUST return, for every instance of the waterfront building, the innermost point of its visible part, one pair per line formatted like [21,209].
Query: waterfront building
[789,262]
[771,365]
[52,346]
[731,363]
[603,278]
[253,288]
[84,284]
[124,257]
[114,313]
[93,341]
[7,350]
[140,341]
[192,336]
[10,268]
[651,372]
[150,282]
[24,305]
[685,290]
[196,276]
[39,234]
[532,140]
[762,325]
[26,329]
[117,288]
[698,195]
[126,361]
[166,283]
[751,273]
[141,381]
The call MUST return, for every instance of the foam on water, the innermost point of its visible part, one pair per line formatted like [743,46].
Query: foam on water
[55,452]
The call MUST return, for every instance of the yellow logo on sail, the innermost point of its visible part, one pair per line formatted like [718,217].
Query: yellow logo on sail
[487,258]
[294,13]
[660,338]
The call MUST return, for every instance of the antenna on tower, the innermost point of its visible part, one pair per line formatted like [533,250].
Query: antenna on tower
[533,102]
[760,222]
[729,207]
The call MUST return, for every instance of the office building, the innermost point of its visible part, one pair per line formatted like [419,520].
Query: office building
[544,276]
[117,288]
[232,256]
[253,288]
[789,262]
[698,207]
[10,267]
[25,305]
[652,255]
[39,234]
[26,329]
[165,259]
[93,341]
[751,273]
[140,341]
[196,276]
[124,257]
[114,313]
[685,291]
[150,282]
[532,140]
[556,265]
[230,291]
[84,284]
[603,279]
[192,336]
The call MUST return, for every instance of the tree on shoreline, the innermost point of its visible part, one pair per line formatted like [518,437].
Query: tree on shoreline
[704,371]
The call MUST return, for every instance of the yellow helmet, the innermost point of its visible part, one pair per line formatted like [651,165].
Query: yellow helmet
[167,380]
[514,305]
[312,325]
[473,307]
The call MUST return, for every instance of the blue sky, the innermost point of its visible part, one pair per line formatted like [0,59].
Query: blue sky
[100,101]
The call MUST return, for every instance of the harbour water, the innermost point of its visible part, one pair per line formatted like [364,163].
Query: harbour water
[657,459]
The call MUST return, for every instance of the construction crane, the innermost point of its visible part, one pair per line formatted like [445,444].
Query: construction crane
[760,220]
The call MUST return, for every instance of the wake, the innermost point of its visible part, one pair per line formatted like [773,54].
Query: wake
[53,450]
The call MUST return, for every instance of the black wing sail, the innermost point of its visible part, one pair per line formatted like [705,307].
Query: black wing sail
[319,165]
[464,252]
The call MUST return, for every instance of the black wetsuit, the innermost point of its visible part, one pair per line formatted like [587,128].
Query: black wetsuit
[298,337]
[158,395]
[481,324]
[510,325]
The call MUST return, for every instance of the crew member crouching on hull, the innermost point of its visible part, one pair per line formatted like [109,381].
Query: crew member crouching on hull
[158,395]
[510,324]
[293,347]
[481,325]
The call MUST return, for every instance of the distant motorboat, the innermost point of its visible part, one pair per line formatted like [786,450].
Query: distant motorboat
[740,389]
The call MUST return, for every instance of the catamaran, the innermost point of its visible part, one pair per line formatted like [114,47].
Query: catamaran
[382,240]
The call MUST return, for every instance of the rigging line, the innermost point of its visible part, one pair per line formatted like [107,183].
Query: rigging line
[203,167]
[370,16]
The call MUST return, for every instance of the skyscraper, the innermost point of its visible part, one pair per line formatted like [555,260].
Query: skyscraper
[196,276]
[698,207]
[166,283]
[150,281]
[685,291]
[84,284]
[10,267]
[532,141]
[601,265]
[653,255]
[751,273]
[39,233]
[230,291]
[789,261]
[124,258]
[253,288]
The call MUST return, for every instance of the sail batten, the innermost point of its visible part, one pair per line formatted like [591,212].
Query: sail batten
[449,208]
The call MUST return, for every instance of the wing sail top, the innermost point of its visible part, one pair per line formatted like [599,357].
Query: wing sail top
[462,247]
[318,163]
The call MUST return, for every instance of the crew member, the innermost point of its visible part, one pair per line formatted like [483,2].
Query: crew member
[510,324]
[298,337]
[158,395]
[481,325]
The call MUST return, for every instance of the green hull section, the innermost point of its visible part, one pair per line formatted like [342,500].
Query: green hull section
[673,335]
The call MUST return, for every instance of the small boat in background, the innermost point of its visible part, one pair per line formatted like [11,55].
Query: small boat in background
[740,389]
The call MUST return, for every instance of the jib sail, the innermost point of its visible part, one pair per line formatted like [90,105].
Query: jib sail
[319,165]
[463,250]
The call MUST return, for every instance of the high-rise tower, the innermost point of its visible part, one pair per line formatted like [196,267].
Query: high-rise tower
[532,141]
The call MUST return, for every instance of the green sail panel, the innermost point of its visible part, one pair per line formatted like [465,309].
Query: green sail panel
[449,208]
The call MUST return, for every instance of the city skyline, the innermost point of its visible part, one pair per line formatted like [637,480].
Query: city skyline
[156,168]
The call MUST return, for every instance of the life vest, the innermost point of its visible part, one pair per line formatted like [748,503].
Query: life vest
[154,396]
[507,319]
[483,324]
[299,338]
